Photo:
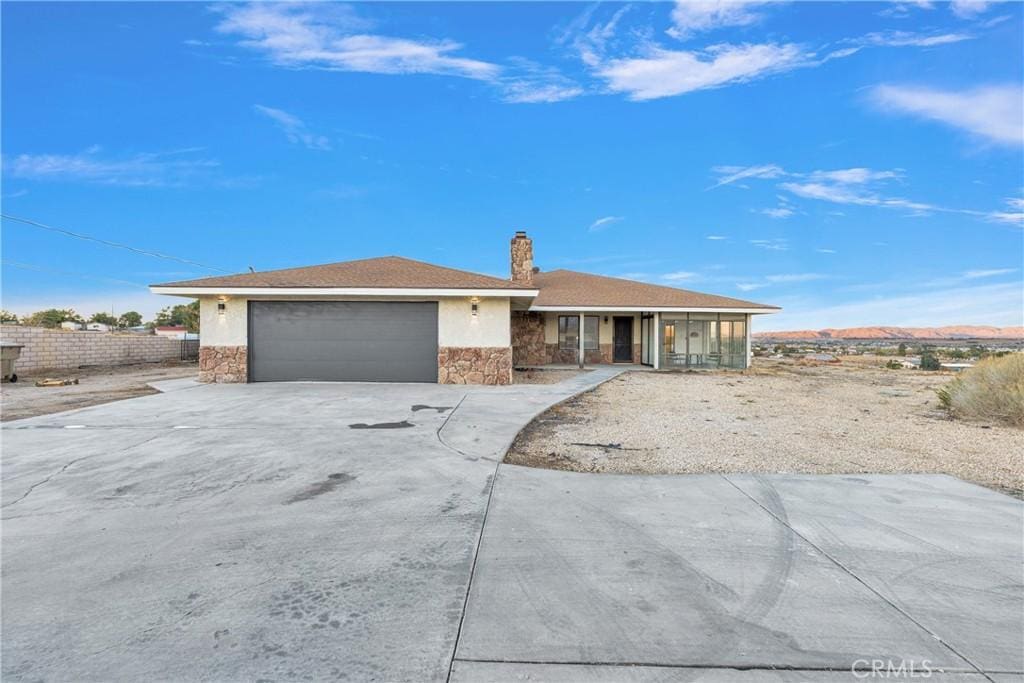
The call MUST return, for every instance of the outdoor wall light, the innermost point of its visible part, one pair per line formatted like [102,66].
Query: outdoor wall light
[474,306]
[221,306]
[606,320]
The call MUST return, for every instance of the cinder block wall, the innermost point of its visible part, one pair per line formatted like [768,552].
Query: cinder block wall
[60,349]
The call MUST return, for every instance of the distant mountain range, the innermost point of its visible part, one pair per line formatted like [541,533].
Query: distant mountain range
[948,332]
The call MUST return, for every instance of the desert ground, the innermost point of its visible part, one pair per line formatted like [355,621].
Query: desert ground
[780,416]
[96,385]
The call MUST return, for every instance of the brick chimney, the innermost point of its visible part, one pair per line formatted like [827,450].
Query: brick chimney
[522,258]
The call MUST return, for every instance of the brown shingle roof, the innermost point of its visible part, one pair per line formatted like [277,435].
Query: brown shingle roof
[383,272]
[569,288]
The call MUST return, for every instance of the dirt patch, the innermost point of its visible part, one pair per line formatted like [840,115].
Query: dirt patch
[776,417]
[538,376]
[96,385]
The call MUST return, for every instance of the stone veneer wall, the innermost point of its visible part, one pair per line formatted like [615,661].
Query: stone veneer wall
[55,349]
[528,339]
[602,356]
[474,365]
[223,364]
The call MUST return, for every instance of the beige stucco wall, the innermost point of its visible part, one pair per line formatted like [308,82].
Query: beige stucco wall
[230,329]
[456,325]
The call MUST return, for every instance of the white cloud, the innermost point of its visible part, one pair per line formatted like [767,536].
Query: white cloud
[968,9]
[995,304]
[780,212]
[1014,216]
[693,16]
[664,73]
[149,169]
[679,276]
[749,286]
[826,251]
[909,39]
[329,36]
[774,244]
[602,223]
[732,174]
[533,83]
[990,272]
[993,112]
[794,277]
[716,237]
[854,175]
[294,128]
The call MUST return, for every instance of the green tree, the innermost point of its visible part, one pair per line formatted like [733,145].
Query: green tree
[130,319]
[8,317]
[929,361]
[52,317]
[901,350]
[182,314]
[105,318]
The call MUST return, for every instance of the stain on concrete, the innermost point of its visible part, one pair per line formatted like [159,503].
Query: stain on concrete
[382,425]
[440,409]
[319,488]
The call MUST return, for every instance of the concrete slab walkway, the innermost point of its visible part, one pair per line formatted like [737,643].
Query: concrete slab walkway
[357,531]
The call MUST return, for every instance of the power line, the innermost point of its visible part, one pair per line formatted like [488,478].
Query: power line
[44,269]
[145,252]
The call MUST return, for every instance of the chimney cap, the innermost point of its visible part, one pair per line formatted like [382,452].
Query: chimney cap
[520,233]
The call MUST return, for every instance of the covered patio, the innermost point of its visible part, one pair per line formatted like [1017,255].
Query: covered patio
[652,339]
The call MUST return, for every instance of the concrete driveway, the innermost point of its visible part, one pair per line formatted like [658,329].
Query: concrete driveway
[288,531]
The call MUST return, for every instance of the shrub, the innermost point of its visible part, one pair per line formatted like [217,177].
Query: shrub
[991,390]
[929,361]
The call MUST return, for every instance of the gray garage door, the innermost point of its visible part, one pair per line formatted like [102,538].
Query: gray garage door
[339,341]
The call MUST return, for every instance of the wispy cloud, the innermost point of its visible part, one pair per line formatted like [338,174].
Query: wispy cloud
[528,82]
[989,304]
[993,112]
[716,237]
[332,36]
[680,276]
[172,168]
[990,272]
[779,212]
[968,9]
[665,73]
[294,129]
[732,174]
[856,186]
[602,223]
[774,244]
[910,39]
[750,286]
[690,17]
[826,251]
[794,277]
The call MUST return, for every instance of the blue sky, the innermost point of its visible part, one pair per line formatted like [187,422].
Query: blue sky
[858,163]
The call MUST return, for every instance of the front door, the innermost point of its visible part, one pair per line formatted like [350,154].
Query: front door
[622,344]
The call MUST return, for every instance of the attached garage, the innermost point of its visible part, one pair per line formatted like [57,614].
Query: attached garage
[339,341]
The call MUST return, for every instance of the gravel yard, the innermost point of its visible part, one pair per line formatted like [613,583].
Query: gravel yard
[95,385]
[535,376]
[779,416]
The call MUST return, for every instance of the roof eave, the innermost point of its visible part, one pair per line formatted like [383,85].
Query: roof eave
[658,309]
[489,292]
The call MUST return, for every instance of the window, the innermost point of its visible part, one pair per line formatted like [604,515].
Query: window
[569,331]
